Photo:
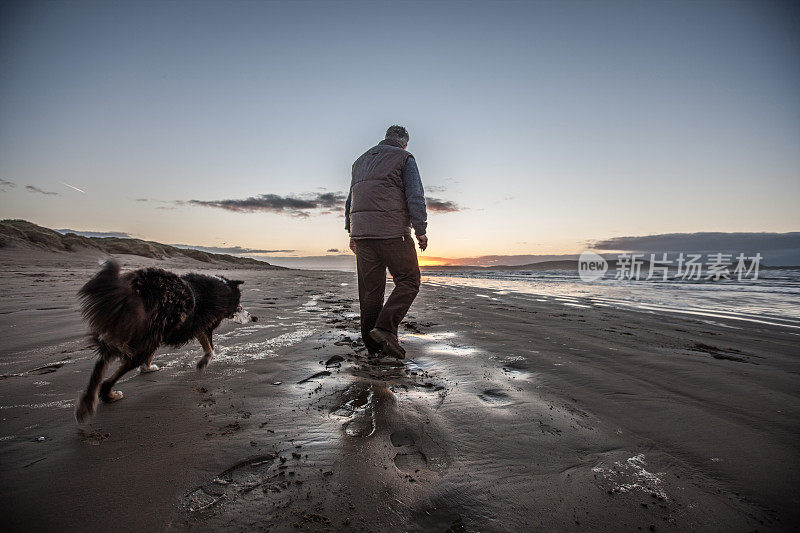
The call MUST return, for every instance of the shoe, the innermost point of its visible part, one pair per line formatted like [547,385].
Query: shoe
[389,343]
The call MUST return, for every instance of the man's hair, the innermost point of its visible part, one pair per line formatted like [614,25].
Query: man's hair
[397,133]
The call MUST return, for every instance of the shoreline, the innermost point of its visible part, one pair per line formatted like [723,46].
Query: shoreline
[510,413]
[643,297]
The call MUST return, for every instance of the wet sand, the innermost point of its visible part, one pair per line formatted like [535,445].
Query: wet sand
[512,412]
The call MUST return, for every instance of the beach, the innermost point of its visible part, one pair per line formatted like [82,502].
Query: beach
[511,412]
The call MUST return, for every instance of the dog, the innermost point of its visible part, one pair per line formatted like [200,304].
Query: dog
[130,315]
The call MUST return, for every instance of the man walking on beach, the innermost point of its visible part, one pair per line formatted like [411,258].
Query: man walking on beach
[386,199]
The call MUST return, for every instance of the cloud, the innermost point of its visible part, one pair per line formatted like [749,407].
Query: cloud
[117,234]
[441,206]
[31,188]
[333,250]
[702,242]
[6,183]
[299,206]
[168,206]
[776,248]
[324,203]
[234,250]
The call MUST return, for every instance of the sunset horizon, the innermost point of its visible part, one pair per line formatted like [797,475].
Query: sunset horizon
[779,249]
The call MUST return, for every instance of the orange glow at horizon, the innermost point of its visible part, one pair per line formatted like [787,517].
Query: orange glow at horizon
[425,262]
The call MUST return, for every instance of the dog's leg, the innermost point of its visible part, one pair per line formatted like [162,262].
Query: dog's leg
[108,395]
[148,365]
[87,403]
[208,348]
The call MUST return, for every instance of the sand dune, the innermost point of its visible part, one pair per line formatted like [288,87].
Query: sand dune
[24,235]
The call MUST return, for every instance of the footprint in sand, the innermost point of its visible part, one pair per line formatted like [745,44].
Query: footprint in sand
[93,438]
[412,460]
[495,397]
[239,479]
[357,404]
[516,368]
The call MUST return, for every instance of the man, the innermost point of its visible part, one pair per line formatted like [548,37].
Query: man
[386,199]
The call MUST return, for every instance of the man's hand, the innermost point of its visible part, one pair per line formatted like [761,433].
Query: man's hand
[423,242]
[353,245]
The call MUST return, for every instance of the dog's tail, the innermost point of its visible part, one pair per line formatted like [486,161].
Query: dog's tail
[111,306]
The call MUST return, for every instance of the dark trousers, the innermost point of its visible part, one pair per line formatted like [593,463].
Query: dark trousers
[373,257]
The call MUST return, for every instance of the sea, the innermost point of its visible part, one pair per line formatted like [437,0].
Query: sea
[773,298]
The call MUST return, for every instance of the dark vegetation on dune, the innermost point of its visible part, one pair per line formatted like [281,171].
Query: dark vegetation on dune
[16,233]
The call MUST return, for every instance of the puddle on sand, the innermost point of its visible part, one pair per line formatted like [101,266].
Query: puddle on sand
[415,365]
[441,342]
[251,351]
[452,349]
[437,336]
[234,351]
[243,331]
[362,423]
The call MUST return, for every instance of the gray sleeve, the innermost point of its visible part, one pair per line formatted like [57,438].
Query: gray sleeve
[415,197]
[347,211]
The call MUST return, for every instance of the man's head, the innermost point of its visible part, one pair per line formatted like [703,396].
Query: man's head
[397,134]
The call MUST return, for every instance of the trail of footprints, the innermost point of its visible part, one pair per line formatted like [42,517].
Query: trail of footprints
[356,407]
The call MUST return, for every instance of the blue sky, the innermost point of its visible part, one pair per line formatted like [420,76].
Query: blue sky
[548,123]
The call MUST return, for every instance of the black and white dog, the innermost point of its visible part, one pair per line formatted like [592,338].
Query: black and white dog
[132,314]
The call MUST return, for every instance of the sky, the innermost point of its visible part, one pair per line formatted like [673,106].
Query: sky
[538,127]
